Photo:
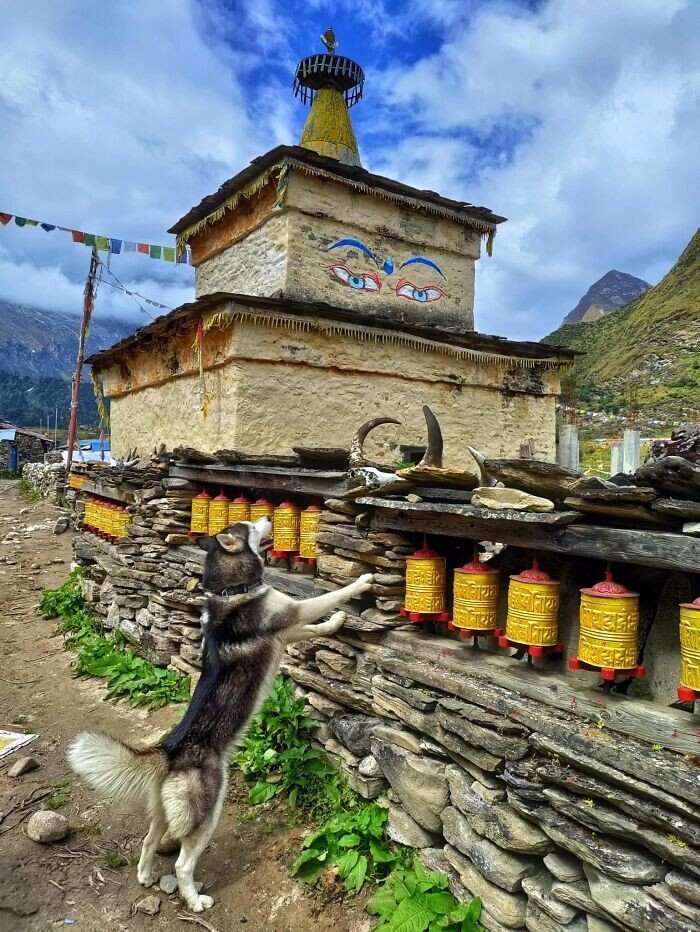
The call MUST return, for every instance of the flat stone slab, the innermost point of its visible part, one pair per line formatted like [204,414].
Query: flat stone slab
[564,866]
[419,782]
[632,906]
[534,476]
[504,868]
[620,511]
[499,823]
[678,508]
[539,891]
[620,859]
[537,920]
[508,908]
[498,498]
[684,886]
[404,830]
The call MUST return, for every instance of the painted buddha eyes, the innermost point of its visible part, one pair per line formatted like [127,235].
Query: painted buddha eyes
[406,289]
[366,282]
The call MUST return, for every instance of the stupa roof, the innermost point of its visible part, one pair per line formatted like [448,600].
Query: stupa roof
[306,160]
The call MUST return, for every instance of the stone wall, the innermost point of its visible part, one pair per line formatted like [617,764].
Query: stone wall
[29,450]
[534,795]
[48,478]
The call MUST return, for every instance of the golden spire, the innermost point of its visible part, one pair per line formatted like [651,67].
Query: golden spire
[332,84]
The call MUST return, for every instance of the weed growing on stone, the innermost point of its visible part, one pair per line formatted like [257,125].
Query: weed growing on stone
[128,675]
[29,492]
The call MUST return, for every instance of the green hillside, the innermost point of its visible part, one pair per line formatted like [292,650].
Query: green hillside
[651,346]
[26,401]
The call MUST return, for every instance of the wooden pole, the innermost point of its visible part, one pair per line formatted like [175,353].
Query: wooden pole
[88,303]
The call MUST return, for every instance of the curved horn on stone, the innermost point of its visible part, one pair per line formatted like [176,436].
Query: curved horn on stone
[357,456]
[433,452]
[485,480]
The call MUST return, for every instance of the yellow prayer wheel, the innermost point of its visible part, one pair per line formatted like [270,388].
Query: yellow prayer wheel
[286,529]
[199,522]
[89,515]
[100,518]
[475,603]
[262,509]
[109,520]
[609,618]
[533,611]
[75,481]
[218,514]
[690,651]
[425,586]
[239,509]
[308,530]
[122,522]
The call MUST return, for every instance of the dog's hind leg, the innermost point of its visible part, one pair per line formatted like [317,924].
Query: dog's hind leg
[150,845]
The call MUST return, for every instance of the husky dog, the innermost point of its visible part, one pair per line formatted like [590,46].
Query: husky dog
[182,780]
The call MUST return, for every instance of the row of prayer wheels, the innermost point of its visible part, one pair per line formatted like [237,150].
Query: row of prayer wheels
[294,531]
[609,616]
[108,519]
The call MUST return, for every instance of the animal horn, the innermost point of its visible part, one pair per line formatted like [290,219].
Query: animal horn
[433,452]
[485,480]
[357,456]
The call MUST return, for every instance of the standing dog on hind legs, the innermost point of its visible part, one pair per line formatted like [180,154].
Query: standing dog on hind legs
[181,781]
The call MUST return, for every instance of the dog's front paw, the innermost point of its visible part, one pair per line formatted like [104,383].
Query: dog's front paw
[363,583]
[200,903]
[336,621]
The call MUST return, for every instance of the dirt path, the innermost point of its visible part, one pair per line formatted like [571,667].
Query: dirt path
[245,869]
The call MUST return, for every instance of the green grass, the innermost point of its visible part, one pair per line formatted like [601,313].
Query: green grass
[128,675]
[347,842]
[57,802]
[29,492]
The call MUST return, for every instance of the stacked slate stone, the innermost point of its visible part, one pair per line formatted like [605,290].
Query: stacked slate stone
[557,826]
[147,585]
[347,549]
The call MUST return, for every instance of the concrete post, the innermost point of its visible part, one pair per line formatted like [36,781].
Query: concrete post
[568,453]
[630,451]
[615,457]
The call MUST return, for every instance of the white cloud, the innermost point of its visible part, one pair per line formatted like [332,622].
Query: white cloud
[603,100]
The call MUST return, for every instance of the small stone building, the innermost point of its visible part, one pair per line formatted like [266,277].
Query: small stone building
[19,446]
[325,295]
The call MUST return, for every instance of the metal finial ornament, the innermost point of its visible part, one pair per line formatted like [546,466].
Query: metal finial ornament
[329,40]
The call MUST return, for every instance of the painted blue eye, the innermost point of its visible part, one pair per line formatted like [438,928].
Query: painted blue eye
[367,282]
[356,281]
[406,289]
[419,295]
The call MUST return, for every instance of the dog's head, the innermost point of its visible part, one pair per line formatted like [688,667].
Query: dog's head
[234,555]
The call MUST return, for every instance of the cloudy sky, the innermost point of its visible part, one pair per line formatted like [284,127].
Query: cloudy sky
[579,120]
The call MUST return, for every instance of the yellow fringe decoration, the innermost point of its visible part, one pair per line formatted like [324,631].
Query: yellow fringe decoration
[224,319]
[229,204]
[283,169]
[98,389]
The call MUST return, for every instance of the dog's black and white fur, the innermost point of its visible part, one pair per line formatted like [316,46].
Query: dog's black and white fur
[182,780]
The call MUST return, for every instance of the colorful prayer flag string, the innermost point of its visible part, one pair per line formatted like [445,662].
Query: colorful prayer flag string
[105,243]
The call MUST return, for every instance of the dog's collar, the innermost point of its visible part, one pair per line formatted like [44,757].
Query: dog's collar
[239,590]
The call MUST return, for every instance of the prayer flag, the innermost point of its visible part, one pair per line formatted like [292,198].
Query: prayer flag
[169,253]
[183,258]
[129,246]
[89,239]
[143,247]
[116,246]
[48,227]
[78,237]
[5,218]
[32,223]
[102,242]
[20,221]
[155,252]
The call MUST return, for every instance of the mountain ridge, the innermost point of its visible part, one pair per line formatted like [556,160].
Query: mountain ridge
[614,290]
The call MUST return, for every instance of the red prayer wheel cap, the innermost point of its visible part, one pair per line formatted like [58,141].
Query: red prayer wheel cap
[241,500]
[313,508]
[286,504]
[536,575]
[609,589]
[203,494]
[476,566]
[423,553]
[695,604]
[262,501]
[221,497]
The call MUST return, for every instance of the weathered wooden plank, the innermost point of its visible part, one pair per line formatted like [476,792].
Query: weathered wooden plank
[638,718]
[325,483]
[106,490]
[440,510]
[661,549]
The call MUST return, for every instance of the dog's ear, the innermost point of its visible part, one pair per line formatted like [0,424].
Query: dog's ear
[206,543]
[230,543]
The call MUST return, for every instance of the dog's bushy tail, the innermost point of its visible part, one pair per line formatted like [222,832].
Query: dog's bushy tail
[114,769]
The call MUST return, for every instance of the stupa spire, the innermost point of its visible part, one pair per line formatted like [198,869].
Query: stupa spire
[331,84]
